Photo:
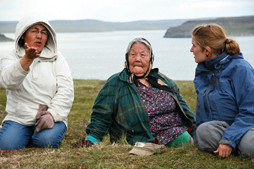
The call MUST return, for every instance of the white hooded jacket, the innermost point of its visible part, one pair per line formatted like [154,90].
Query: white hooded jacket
[48,80]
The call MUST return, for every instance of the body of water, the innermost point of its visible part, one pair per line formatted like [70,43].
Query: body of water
[98,55]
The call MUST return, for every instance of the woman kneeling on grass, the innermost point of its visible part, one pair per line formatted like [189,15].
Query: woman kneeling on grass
[141,104]
[224,84]
[39,88]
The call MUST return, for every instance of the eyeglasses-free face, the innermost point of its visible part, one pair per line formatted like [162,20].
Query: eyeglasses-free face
[139,59]
[198,52]
[36,36]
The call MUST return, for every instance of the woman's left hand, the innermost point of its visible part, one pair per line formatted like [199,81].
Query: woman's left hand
[45,120]
[223,150]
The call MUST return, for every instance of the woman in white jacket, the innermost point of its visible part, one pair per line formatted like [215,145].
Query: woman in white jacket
[39,88]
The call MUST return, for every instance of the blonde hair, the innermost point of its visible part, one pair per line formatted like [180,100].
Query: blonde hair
[214,36]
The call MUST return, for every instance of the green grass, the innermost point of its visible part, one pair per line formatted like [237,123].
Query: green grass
[105,155]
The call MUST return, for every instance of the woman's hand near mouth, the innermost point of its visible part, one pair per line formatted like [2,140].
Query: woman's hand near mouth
[30,54]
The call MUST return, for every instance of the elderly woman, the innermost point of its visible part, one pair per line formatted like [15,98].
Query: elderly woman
[224,84]
[140,104]
[39,88]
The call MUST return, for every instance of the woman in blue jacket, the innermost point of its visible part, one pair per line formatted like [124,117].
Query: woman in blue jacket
[224,83]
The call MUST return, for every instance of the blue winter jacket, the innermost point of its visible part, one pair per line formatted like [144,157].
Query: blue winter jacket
[225,92]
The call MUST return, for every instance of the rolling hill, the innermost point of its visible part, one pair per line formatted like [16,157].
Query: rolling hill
[234,26]
[89,25]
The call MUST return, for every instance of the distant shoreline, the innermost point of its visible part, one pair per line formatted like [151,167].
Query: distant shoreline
[3,38]
[174,28]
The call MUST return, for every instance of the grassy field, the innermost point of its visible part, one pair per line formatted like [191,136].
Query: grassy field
[105,155]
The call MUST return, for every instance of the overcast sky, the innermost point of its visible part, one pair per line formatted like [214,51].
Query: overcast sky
[124,10]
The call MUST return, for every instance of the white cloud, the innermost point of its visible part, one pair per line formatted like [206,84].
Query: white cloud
[124,10]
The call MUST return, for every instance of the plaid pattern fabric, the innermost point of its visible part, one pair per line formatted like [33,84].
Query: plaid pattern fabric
[119,111]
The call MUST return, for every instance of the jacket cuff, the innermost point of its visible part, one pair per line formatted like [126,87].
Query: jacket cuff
[92,139]
[55,115]
[227,142]
[20,69]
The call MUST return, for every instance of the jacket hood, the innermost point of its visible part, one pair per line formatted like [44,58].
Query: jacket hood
[50,49]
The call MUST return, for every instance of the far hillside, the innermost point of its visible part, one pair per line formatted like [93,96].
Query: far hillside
[234,26]
[3,38]
[89,25]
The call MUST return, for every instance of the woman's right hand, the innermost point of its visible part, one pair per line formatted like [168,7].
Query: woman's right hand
[30,54]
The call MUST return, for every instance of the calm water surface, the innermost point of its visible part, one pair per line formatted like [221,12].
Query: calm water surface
[99,55]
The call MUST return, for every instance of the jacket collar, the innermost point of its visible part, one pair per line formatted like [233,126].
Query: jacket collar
[219,61]
[124,76]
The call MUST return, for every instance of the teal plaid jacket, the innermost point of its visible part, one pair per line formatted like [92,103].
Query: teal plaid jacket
[119,110]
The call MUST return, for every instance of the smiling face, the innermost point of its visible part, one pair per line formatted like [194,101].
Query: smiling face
[198,52]
[139,59]
[36,36]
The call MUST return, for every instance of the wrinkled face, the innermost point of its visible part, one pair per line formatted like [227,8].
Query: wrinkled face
[36,36]
[139,59]
[198,52]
